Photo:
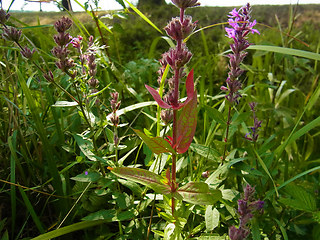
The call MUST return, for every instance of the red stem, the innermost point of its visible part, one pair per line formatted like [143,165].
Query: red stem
[175,120]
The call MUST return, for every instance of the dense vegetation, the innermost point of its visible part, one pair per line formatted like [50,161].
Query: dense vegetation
[60,130]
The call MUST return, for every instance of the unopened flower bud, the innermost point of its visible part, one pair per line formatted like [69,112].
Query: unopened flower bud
[62,38]
[166,116]
[63,24]
[76,42]
[27,53]
[116,140]
[49,76]
[93,82]
[185,3]
[179,31]
[11,34]
[4,16]
[90,41]
[205,174]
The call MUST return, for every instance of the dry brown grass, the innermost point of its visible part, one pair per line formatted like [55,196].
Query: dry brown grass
[43,18]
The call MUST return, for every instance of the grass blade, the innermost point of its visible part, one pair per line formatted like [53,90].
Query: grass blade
[31,211]
[143,16]
[288,51]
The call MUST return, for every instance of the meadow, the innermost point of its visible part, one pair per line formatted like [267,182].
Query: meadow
[88,151]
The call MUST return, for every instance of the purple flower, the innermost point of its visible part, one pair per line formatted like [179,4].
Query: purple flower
[76,42]
[246,208]
[27,53]
[253,135]
[11,34]
[178,30]
[240,28]
[63,24]
[4,16]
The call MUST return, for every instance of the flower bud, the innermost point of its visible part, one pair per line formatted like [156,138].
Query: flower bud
[179,31]
[63,24]
[185,3]
[166,116]
[49,76]
[93,82]
[62,38]
[4,16]
[27,53]
[11,34]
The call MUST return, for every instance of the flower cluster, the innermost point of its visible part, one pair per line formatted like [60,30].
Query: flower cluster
[115,105]
[241,27]
[14,35]
[178,29]
[89,58]
[246,208]
[62,40]
[4,16]
[253,136]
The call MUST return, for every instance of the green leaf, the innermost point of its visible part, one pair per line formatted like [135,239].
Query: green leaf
[205,152]
[265,168]
[186,125]
[101,215]
[156,144]
[134,187]
[65,104]
[85,146]
[144,177]
[291,180]
[282,229]
[255,229]
[212,218]
[69,229]
[199,193]
[172,232]
[121,3]
[31,210]
[215,115]
[87,177]
[288,51]
[300,199]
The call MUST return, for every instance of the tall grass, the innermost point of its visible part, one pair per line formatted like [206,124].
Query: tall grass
[54,173]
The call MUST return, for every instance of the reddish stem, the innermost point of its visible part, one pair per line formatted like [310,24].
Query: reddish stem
[175,120]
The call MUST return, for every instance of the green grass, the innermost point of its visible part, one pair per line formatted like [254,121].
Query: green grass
[53,164]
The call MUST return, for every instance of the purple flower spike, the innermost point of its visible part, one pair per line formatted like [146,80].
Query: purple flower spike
[4,16]
[240,28]
[246,208]
[253,135]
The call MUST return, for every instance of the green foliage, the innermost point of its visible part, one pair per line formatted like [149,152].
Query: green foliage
[57,138]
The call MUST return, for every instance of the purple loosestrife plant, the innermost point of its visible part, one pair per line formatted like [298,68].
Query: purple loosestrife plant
[247,206]
[253,135]
[14,35]
[178,29]
[241,27]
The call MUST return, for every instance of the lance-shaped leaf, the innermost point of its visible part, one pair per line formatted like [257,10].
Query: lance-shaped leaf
[144,177]
[187,123]
[156,144]
[190,94]
[199,193]
[157,98]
